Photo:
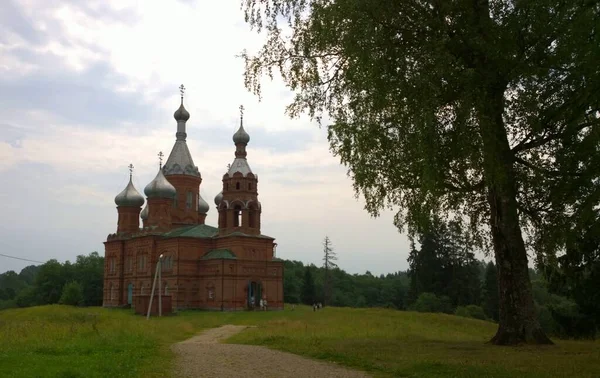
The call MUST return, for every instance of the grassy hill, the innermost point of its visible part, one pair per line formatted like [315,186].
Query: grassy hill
[59,341]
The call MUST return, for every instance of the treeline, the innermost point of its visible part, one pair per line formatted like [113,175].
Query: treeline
[78,283]
[443,277]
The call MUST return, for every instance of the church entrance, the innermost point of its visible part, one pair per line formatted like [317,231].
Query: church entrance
[129,293]
[254,294]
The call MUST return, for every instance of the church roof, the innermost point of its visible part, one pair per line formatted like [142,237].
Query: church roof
[239,165]
[180,161]
[202,231]
[219,254]
[237,233]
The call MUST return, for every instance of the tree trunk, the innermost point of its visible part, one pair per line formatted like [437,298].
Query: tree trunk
[518,320]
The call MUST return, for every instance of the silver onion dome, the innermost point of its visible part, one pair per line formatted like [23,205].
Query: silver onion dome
[219,198]
[202,205]
[160,187]
[181,114]
[129,196]
[145,212]
[241,136]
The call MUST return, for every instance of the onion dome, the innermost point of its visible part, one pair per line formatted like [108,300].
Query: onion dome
[181,114]
[202,205]
[241,136]
[129,197]
[219,198]
[145,212]
[160,187]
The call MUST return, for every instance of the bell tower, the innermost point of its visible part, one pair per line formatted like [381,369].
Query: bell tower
[238,206]
[183,174]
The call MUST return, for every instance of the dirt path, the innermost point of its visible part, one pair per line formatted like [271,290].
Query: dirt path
[204,356]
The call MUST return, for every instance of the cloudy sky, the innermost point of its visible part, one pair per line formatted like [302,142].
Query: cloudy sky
[87,87]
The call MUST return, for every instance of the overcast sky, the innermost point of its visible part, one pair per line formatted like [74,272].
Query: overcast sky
[87,87]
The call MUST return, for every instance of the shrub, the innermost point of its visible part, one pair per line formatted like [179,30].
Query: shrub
[72,294]
[470,311]
[427,302]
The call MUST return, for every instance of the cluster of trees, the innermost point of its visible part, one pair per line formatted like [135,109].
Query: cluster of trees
[444,276]
[78,283]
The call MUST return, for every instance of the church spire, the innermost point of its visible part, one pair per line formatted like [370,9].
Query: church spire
[241,137]
[181,115]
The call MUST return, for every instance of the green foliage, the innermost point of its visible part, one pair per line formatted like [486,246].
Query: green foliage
[470,311]
[72,294]
[309,294]
[43,284]
[444,265]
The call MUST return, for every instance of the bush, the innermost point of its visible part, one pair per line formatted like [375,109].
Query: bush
[72,294]
[470,311]
[427,302]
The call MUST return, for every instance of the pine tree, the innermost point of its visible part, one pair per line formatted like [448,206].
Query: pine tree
[308,287]
[329,258]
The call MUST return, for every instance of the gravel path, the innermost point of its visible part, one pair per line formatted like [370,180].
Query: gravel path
[204,356]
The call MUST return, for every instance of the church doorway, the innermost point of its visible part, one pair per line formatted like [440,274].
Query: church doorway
[129,293]
[254,294]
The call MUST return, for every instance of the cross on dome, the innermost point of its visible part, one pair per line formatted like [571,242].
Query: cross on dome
[160,158]
[130,166]
[181,91]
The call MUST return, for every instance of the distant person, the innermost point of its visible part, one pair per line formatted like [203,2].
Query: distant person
[265,304]
[261,303]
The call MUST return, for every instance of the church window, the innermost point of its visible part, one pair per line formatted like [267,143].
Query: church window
[226,187]
[249,186]
[141,289]
[237,216]
[175,202]
[166,289]
[112,292]
[189,200]
[237,186]
[112,266]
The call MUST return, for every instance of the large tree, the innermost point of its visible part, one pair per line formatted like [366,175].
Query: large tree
[483,110]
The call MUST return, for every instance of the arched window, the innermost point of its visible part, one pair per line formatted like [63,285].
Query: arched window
[249,186]
[166,289]
[227,186]
[175,202]
[237,185]
[189,200]
[237,216]
[112,292]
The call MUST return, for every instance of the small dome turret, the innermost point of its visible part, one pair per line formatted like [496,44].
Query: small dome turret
[181,114]
[145,212]
[160,187]
[129,197]
[219,198]
[241,136]
[202,205]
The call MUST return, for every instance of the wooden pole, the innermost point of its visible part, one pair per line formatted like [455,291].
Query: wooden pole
[153,287]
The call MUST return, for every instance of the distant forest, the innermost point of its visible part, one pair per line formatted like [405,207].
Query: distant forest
[442,278]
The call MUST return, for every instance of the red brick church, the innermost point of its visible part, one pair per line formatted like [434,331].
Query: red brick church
[229,267]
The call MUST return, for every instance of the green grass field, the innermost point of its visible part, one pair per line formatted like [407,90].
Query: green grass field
[58,341]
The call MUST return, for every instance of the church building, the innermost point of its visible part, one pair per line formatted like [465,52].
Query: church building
[228,267]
